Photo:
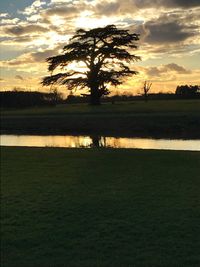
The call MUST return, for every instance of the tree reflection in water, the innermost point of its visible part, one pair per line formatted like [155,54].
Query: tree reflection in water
[97,141]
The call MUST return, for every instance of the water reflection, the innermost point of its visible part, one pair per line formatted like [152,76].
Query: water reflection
[98,142]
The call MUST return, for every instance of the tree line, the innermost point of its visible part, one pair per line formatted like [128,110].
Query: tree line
[72,99]
[21,99]
[188,90]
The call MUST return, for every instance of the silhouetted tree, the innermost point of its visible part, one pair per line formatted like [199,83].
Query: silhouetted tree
[23,99]
[97,141]
[146,88]
[187,90]
[105,54]
[56,96]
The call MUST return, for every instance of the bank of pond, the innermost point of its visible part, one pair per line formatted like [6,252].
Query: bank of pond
[158,119]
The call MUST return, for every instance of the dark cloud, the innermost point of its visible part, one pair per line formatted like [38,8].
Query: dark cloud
[41,56]
[119,7]
[166,32]
[176,68]
[165,69]
[166,3]
[107,8]
[66,10]
[168,29]
[61,11]
[17,62]
[153,71]
[23,39]
[19,77]
[180,3]
[34,57]
[23,30]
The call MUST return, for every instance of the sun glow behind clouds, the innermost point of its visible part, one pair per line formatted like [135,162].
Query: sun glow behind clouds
[87,20]
[57,20]
[56,38]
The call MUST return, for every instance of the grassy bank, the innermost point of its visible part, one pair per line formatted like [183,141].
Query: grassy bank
[170,118]
[68,207]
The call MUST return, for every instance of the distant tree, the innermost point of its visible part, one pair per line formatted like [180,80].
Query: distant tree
[56,96]
[187,90]
[146,89]
[105,53]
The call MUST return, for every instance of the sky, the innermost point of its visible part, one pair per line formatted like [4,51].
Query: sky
[169,43]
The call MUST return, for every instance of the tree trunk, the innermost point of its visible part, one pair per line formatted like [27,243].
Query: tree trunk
[95,97]
[145,97]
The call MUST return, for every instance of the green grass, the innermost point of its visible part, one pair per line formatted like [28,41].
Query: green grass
[79,207]
[169,118]
[153,106]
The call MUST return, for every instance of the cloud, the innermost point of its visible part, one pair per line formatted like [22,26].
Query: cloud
[27,29]
[31,58]
[34,18]
[172,33]
[21,60]
[4,15]
[34,8]
[132,7]
[165,3]
[180,3]
[60,1]
[62,11]
[165,70]
[19,77]
[7,21]
[108,7]
[23,39]
[176,68]
[43,55]
[168,29]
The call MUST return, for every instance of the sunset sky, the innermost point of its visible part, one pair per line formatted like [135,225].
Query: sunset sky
[169,44]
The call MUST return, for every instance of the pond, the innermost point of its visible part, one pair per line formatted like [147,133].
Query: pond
[98,141]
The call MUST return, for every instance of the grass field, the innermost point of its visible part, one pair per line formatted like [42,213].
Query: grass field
[153,106]
[69,207]
[169,118]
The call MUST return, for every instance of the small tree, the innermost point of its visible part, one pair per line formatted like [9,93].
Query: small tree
[146,88]
[105,54]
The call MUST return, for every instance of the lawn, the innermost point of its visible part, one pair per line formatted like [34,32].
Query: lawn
[153,106]
[100,207]
[166,118]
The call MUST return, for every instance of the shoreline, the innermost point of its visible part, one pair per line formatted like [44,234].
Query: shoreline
[148,128]
[163,119]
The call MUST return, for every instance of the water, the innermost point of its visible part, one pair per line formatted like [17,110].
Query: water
[97,141]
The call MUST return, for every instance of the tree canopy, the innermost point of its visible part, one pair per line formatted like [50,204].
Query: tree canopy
[187,90]
[106,55]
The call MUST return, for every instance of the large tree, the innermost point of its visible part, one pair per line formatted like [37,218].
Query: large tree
[106,54]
